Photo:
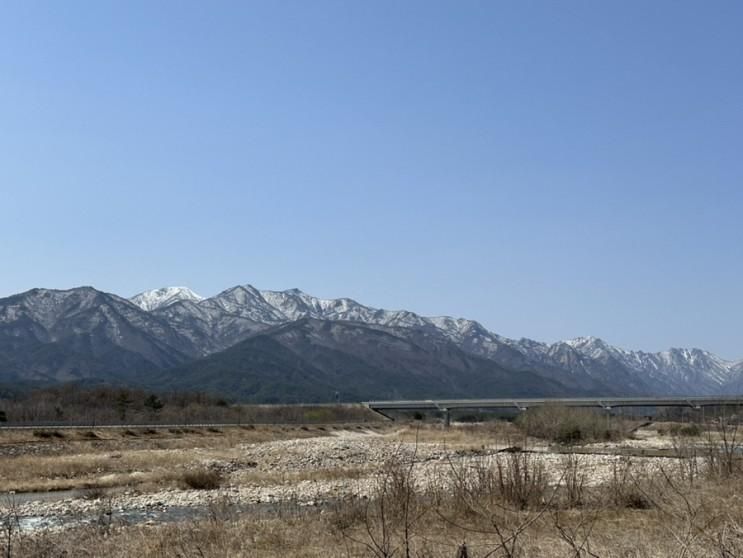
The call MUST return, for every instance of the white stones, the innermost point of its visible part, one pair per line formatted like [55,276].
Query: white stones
[309,472]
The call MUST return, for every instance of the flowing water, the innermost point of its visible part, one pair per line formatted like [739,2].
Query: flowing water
[107,513]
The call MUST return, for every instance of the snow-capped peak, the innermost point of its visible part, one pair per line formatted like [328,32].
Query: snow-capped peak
[589,340]
[160,298]
[589,344]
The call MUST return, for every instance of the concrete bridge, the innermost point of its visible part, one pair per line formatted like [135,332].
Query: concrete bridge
[605,403]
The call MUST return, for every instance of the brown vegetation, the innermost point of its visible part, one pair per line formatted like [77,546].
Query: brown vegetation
[564,425]
[690,429]
[486,504]
[484,513]
[202,479]
[108,458]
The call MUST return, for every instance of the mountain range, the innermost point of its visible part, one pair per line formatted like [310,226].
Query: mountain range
[288,346]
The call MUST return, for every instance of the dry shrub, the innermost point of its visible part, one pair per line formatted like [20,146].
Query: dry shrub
[566,425]
[521,479]
[202,479]
[628,486]
[574,477]
[391,516]
[723,452]
[676,429]
[500,499]
[465,436]
[94,493]
[687,467]
[48,434]
[514,479]
[346,513]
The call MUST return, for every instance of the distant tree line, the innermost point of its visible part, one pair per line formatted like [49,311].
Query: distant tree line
[72,403]
[76,404]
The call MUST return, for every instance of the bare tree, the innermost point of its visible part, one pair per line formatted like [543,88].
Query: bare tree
[10,523]
[723,448]
[391,515]
[577,536]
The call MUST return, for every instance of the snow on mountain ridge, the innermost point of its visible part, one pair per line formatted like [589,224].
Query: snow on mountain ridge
[243,310]
[673,365]
[165,296]
[245,301]
[295,304]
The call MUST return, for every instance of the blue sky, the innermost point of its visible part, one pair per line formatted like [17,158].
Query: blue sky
[551,169]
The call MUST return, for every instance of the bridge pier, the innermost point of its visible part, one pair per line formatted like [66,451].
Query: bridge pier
[447,418]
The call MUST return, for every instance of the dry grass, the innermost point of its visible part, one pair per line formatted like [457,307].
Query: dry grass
[499,506]
[187,435]
[109,458]
[689,430]
[42,473]
[469,436]
[569,426]
[668,530]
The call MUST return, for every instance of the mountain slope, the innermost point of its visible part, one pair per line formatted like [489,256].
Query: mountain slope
[83,333]
[583,363]
[275,338]
[587,363]
[219,322]
[311,360]
[672,372]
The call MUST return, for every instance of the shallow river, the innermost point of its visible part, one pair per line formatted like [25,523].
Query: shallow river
[107,515]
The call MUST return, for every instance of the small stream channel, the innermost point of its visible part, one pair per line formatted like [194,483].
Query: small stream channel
[108,513]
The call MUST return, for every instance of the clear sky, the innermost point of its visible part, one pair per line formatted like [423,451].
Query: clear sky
[551,169]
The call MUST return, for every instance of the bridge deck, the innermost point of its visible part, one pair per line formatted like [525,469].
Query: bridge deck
[525,403]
